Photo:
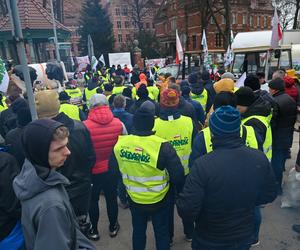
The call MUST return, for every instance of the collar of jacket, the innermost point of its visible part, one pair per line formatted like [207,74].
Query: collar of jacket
[227,141]
[143,133]
[279,93]
[165,113]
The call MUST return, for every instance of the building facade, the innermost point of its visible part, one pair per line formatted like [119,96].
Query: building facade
[244,16]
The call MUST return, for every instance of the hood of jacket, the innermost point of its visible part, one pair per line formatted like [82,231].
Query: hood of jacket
[197,88]
[259,107]
[65,120]
[28,184]
[289,82]
[101,115]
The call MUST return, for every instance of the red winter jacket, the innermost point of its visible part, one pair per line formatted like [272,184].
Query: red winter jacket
[104,130]
[290,87]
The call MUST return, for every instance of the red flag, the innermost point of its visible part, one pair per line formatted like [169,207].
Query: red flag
[179,50]
[276,31]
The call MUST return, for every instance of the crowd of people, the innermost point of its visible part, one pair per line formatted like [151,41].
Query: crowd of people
[148,143]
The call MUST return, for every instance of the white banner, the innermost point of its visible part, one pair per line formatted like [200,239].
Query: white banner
[82,62]
[120,58]
[160,62]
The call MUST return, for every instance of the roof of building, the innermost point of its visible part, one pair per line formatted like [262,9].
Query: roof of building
[33,16]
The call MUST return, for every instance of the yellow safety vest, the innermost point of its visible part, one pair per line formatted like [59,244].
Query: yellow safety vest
[4,107]
[70,110]
[250,138]
[202,98]
[156,69]
[267,145]
[105,78]
[118,90]
[137,158]
[179,133]
[76,96]
[153,93]
[89,94]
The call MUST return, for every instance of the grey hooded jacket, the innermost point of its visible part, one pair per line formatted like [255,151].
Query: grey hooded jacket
[48,220]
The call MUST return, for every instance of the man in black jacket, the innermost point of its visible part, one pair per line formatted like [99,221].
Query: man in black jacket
[77,167]
[224,186]
[282,127]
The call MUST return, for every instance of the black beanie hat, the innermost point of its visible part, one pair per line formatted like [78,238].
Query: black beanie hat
[63,96]
[245,96]
[142,92]
[277,84]
[19,103]
[224,98]
[127,92]
[185,90]
[36,140]
[143,119]
[252,82]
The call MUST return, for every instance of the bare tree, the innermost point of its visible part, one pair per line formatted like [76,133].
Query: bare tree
[288,13]
[138,11]
[296,16]
[3,8]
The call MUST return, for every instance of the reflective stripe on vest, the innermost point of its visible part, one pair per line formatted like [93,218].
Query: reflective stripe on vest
[250,138]
[118,90]
[70,110]
[137,158]
[88,94]
[3,106]
[267,145]
[179,133]
[202,98]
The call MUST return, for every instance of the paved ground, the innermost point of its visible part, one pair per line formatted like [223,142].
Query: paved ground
[276,232]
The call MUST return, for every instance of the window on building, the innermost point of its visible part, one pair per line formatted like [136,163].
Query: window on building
[153,26]
[127,24]
[233,18]
[244,19]
[258,21]
[119,25]
[218,40]
[147,25]
[194,41]
[117,11]
[128,37]
[125,11]
[212,20]
[120,38]
[265,21]
[223,19]
[251,21]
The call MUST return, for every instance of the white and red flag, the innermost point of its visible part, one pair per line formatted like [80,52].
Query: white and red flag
[179,50]
[276,31]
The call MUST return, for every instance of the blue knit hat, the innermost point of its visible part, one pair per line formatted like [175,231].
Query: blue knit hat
[226,120]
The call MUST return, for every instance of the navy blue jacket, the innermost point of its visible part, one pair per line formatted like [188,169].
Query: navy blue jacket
[198,108]
[222,190]
[124,117]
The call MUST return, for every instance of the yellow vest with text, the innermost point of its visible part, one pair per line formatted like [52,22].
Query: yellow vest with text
[118,90]
[250,138]
[70,110]
[202,98]
[179,133]
[267,145]
[88,94]
[137,157]
[76,95]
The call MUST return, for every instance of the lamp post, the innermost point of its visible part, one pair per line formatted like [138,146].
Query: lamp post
[55,33]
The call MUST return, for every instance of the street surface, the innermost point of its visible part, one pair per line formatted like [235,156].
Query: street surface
[276,232]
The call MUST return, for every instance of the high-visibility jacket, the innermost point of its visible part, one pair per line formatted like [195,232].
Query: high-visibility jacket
[76,96]
[105,78]
[118,90]
[202,98]
[153,93]
[156,69]
[267,145]
[70,110]
[88,94]
[246,132]
[179,133]
[137,157]
[3,105]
